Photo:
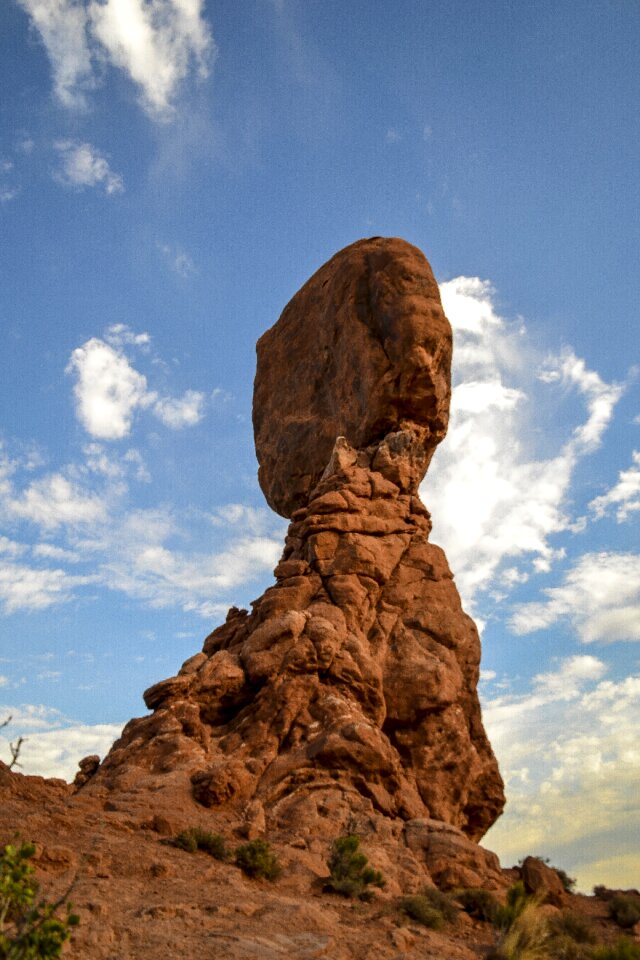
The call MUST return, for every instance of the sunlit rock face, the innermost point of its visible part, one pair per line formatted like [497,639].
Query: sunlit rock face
[348,694]
[363,350]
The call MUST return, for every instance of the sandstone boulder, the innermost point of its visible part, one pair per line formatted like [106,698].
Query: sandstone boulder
[362,350]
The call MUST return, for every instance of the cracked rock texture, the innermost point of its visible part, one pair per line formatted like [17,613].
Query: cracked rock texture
[348,695]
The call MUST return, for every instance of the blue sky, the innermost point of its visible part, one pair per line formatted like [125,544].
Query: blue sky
[170,174]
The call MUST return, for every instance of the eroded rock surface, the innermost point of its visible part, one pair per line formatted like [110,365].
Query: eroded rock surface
[361,351]
[349,691]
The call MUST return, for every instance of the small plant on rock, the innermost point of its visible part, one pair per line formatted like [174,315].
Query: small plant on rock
[257,859]
[28,930]
[481,904]
[420,909]
[517,900]
[432,908]
[624,949]
[350,874]
[527,938]
[197,839]
[625,909]
[573,926]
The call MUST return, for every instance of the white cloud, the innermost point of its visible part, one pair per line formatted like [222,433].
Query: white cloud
[184,411]
[62,27]
[120,335]
[48,551]
[53,744]
[29,588]
[55,500]
[599,597]
[625,495]
[10,547]
[569,756]
[494,499]
[3,680]
[156,43]
[84,166]
[108,389]
[142,565]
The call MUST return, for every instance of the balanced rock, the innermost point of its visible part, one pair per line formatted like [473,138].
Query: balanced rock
[361,351]
[348,694]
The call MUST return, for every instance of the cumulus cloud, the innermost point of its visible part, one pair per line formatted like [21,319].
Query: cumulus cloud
[156,43]
[568,753]
[599,597]
[109,390]
[624,495]
[53,744]
[494,499]
[82,165]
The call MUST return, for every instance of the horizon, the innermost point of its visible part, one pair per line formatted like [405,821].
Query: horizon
[162,200]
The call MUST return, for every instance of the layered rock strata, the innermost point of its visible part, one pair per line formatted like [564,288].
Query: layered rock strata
[350,689]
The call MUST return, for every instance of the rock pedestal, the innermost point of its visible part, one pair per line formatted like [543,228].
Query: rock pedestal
[350,689]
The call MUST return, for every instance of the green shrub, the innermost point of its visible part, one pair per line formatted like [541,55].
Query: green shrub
[480,904]
[420,909]
[517,900]
[28,930]
[257,859]
[350,874]
[625,909]
[197,839]
[572,926]
[624,949]
[527,937]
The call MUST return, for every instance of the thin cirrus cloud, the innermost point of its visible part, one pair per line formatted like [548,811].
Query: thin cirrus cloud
[157,44]
[109,390]
[567,739]
[82,165]
[599,598]
[495,501]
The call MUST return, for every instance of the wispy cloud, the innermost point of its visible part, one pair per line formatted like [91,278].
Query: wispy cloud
[599,597]
[157,44]
[82,165]
[624,495]
[29,588]
[178,260]
[54,500]
[568,752]
[495,501]
[62,25]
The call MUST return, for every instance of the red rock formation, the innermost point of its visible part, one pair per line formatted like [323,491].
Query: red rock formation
[362,350]
[350,690]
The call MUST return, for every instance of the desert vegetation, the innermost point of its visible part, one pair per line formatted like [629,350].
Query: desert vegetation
[29,928]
